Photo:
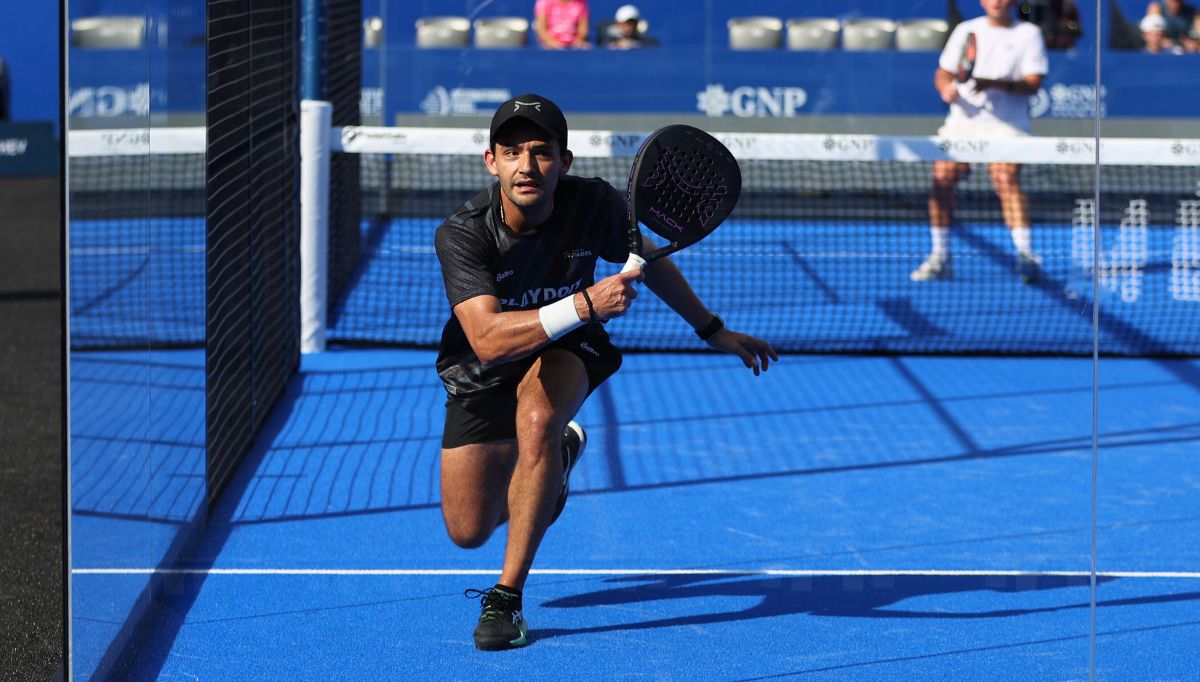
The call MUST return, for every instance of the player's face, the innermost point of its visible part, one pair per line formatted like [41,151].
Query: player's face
[997,9]
[528,164]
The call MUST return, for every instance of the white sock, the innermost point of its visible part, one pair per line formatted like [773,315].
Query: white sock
[941,242]
[1023,239]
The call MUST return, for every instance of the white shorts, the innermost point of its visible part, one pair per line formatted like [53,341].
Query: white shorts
[972,130]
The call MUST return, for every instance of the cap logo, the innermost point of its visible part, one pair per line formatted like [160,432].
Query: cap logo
[518,104]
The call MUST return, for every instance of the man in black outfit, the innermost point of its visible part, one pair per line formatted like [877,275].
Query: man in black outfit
[525,344]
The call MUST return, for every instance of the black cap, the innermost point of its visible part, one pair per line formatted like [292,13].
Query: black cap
[537,110]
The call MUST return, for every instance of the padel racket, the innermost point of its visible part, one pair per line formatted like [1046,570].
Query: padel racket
[966,61]
[683,184]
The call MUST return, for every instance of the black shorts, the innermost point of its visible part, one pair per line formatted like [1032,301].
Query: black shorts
[492,415]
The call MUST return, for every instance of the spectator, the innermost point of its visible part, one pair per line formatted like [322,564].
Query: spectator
[990,100]
[1058,19]
[1178,17]
[561,24]
[1154,34]
[625,32]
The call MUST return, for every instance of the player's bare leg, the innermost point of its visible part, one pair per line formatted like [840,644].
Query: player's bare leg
[1006,179]
[475,482]
[548,397]
[946,175]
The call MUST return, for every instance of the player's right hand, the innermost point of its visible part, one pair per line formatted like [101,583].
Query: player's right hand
[949,92]
[612,296]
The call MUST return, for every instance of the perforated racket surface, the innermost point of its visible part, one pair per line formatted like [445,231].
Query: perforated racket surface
[966,61]
[683,184]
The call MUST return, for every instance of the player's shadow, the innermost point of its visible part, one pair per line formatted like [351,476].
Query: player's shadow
[831,596]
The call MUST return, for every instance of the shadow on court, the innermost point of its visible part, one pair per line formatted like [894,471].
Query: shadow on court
[831,596]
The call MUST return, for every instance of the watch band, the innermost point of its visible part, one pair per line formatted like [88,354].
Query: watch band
[714,325]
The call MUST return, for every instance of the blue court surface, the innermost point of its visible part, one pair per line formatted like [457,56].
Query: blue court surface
[839,518]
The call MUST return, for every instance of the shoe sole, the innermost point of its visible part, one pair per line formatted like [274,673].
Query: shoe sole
[503,644]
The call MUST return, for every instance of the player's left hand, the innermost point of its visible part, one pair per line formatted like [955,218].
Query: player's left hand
[756,354]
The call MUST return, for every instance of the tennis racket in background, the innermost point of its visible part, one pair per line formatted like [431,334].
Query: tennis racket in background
[966,61]
[683,184]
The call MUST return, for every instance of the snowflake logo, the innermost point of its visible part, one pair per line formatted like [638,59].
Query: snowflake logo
[479,137]
[713,101]
[595,140]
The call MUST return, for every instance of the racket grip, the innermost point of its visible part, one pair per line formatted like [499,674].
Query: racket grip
[635,262]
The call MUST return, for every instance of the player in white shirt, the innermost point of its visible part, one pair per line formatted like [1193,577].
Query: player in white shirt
[989,100]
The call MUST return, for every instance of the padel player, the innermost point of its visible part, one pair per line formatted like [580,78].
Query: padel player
[1009,65]
[524,345]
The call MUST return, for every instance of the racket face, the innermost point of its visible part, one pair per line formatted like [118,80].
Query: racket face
[966,62]
[683,184]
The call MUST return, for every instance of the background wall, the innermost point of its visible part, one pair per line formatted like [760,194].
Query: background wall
[29,43]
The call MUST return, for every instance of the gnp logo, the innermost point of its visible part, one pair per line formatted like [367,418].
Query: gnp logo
[1064,100]
[110,100]
[848,143]
[751,101]
[960,146]
[1186,149]
[620,144]
[1069,147]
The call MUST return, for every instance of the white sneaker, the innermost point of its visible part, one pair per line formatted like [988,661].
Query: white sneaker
[934,267]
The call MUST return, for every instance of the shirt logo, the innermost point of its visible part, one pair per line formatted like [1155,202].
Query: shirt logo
[584,345]
[503,275]
[541,295]
[577,253]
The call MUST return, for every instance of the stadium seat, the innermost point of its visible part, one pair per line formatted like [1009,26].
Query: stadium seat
[755,33]
[921,35]
[865,35]
[373,32]
[109,32]
[443,32]
[813,34]
[501,32]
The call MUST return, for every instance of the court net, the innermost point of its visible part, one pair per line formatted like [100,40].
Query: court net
[817,257]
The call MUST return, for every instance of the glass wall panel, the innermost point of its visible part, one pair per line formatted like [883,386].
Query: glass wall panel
[135,244]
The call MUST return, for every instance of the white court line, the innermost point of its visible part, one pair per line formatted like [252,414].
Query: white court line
[621,571]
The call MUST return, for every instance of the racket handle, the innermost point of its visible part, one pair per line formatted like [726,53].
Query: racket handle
[635,262]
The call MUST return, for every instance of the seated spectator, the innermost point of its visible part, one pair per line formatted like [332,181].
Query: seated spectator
[561,24]
[1191,40]
[625,31]
[1178,16]
[1154,33]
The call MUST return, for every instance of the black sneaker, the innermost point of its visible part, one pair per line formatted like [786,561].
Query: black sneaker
[1029,267]
[574,439]
[501,625]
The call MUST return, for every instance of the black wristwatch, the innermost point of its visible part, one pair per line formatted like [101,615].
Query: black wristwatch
[714,325]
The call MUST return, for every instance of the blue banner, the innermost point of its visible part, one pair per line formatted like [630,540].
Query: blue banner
[28,149]
[718,83]
[767,84]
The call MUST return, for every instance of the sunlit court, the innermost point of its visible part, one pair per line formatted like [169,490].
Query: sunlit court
[916,395]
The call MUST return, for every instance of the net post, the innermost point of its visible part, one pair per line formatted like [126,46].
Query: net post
[315,151]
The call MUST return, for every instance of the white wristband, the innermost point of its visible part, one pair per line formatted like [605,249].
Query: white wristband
[559,317]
